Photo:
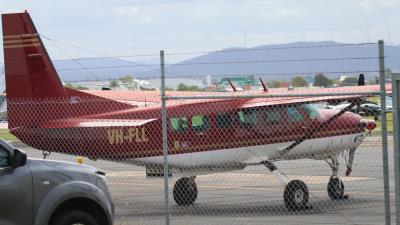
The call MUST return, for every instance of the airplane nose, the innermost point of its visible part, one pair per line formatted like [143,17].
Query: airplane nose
[369,124]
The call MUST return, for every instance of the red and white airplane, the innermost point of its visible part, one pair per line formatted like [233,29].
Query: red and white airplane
[204,136]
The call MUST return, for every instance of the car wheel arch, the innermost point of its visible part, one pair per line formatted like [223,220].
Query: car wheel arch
[67,192]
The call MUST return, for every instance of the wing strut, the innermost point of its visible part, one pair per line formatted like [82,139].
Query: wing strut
[314,130]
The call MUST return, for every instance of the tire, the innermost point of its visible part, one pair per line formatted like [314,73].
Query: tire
[185,191]
[74,217]
[335,188]
[296,195]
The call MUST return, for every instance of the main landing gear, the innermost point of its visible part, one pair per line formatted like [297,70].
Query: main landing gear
[335,186]
[296,194]
[185,191]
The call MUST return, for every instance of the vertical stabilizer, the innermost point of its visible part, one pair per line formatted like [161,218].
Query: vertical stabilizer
[28,68]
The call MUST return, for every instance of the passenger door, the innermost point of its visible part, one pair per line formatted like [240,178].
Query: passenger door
[16,198]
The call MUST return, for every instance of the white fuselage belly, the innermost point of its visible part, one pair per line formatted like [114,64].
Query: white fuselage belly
[320,148]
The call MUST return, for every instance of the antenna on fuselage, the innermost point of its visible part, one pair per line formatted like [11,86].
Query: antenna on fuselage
[263,85]
[233,86]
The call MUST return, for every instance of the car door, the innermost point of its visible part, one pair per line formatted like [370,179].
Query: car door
[15,191]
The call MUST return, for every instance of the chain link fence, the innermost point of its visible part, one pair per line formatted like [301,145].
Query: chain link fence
[266,156]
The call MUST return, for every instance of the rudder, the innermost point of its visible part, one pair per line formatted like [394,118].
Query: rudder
[29,71]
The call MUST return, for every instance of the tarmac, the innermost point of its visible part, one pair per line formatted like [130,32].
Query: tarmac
[253,195]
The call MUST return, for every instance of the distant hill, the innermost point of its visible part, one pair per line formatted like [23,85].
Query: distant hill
[219,63]
[285,70]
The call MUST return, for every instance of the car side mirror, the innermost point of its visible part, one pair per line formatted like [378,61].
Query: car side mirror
[19,158]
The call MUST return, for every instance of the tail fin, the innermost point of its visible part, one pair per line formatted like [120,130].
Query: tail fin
[28,68]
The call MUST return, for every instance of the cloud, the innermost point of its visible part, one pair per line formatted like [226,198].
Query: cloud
[129,11]
[370,5]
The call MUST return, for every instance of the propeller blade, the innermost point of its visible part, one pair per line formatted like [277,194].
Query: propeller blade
[350,161]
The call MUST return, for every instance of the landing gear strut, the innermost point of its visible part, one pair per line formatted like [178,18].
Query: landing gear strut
[185,191]
[335,186]
[296,193]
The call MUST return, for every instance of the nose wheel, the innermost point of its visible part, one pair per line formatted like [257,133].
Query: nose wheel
[335,186]
[185,191]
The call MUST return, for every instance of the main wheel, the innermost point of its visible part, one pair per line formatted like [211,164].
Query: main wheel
[74,217]
[296,195]
[185,191]
[335,188]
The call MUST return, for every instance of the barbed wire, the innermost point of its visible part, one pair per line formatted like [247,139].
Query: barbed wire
[227,51]
[226,62]
[203,52]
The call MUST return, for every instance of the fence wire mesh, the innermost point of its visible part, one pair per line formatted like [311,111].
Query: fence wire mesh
[232,160]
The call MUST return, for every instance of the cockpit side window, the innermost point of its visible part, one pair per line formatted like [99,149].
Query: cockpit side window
[294,115]
[311,110]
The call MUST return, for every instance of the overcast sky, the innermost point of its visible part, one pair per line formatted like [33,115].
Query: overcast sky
[122,27]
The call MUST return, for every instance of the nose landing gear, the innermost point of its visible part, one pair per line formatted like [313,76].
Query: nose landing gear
[335,186]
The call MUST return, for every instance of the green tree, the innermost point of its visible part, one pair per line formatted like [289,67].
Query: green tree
[320,80]
[274,84]
[299,81]
[349,81]
[128,82]
[113,84]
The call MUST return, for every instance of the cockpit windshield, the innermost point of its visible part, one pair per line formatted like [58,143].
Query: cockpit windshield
[311,111]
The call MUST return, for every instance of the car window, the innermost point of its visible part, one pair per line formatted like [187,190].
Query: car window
[4,159]
[311,111]
[294,115]
[200,123]
[223,121]
[178,124]
[272,117]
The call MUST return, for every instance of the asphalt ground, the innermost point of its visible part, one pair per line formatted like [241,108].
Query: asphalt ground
[253,195]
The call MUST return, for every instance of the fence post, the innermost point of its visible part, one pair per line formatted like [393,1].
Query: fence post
[382,82]
[164,135]
[396,140]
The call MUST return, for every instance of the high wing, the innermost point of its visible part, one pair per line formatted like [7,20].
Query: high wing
[153,98]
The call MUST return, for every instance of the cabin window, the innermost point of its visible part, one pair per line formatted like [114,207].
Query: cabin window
[294,115]
[247,117]
[272,117]
[311,111]
[178,124]
[223,121]
[200,123]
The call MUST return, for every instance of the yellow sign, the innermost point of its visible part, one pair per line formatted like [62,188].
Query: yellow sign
[120,136]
